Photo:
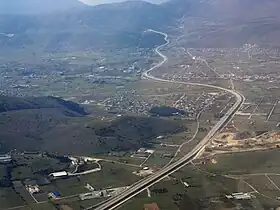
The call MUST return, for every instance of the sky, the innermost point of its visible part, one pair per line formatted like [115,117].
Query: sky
[95,2]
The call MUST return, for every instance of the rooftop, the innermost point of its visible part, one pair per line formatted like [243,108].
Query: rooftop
[5,158]
[59,174]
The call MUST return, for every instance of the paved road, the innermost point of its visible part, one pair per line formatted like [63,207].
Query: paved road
[190,140]
[143,184]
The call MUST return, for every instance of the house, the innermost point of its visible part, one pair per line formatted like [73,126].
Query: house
[32,189]
[54,195]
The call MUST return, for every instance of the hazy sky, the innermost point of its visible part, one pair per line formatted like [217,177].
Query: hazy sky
[94,2]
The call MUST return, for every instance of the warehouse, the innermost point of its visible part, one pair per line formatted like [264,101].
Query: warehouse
[60,174]
[5,159]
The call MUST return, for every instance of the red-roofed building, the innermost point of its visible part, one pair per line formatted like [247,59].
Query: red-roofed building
[152,206]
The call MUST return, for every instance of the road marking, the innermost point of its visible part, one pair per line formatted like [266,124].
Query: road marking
[146,159]
[255,108]
[271,111]
[272,182]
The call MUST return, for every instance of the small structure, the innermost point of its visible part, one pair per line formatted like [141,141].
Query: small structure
[32,189]
[54,195]
[167,155]
[149,151]
[186,184]
[74,161]
[239,196]
[94,194]
[243,196]
[89,187]
[5,159]
[141,150]
[60,174]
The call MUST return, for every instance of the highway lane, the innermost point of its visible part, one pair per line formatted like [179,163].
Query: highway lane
[140,186]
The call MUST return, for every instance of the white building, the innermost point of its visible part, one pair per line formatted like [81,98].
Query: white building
[5,158]
[33,189]
[239,196]
[59,174]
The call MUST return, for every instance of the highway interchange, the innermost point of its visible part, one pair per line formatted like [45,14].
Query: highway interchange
[143,184]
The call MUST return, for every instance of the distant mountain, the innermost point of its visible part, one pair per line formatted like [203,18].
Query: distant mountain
[229,23]
[37,6]
[222,23]
[97,2]
[235,9]
[111,25]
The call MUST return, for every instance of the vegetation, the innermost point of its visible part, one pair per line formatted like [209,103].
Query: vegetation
[165,111]
[130,132]
[29,167]
[54,125]
[124,27]
[37,7]
[14,104]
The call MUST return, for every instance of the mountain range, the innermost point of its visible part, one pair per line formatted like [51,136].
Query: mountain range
[41,7]
[69,25]
[97,2]
[85,28]
[37,6]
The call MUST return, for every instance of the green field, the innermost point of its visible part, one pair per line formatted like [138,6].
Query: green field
[253,172]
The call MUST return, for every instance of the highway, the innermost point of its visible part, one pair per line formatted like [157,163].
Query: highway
[143,184]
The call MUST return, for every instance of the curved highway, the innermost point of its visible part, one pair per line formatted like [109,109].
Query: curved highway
[140,186]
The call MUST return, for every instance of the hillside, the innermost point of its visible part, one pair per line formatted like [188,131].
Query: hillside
[209,23]
[112,25]
[54,125]
[17,104]
[230,23]
[121,134]
[37,6]
[97,2]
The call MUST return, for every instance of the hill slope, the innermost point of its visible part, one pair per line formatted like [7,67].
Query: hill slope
[16,104]
[111,25]
[37,6]
[54,125]
[230,23]
[210,23]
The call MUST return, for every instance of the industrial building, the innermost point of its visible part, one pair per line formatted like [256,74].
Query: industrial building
[57,175]
[239,196]
[4,159]
[94,194]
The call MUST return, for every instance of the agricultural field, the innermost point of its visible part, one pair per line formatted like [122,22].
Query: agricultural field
[16,194]
[205,185]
